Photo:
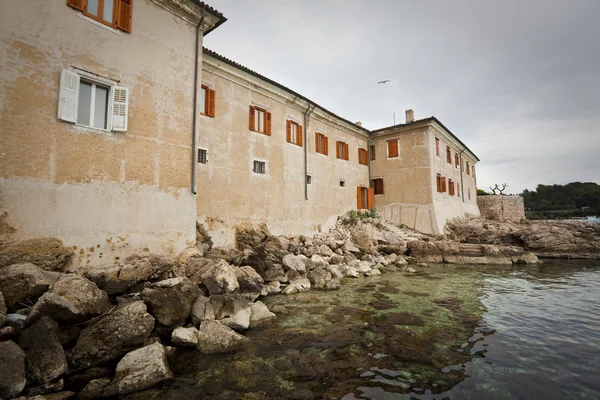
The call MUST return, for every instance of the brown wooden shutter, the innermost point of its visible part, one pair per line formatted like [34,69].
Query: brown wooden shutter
[251,118]
[267,123]
[371,198]
[359,204]
[347,151]
[124,12]
[211,103]
[444,185]
[300,135]
[326,145]
[76,4]
[337,149]
[288,130]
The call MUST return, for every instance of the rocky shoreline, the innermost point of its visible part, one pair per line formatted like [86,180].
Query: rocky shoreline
[110,331]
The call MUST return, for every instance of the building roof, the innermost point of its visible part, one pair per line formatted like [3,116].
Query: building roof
[429,119]
[279,85]
[211,10]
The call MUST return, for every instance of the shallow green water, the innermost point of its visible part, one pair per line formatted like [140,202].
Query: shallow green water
[445,332]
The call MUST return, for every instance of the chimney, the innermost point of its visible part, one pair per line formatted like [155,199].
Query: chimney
[410,116]
[358,123]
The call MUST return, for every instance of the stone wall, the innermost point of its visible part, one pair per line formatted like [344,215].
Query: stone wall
[502,208]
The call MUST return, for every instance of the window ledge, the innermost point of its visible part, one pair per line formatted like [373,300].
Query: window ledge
[90,129]
[101,25]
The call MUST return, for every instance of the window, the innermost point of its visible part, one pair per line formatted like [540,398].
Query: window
[321,143]
[94,103]
[260,167]
[473,171]
[202,156]
[437,147]
[450,187]
[342,183]
[207,101]
[458,189]
[308,179]
[449,155]
[468,169]
[364,198]
[114,13]
[392,148]
[441,183]
[260,120]
[363,157]
[469,191]
[294,132]
[377,185]
[372,152]
[342,150]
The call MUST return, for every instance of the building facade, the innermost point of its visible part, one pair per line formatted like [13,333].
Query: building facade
[118,132]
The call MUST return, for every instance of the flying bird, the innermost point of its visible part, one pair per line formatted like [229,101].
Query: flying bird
[385,81]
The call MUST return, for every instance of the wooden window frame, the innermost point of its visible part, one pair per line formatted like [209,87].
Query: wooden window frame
[437,147]
[391,151]
[378,190]
[290,124]
[267,118]
[441,183]
[449,155]
[363,156]
[209,101]
[450,187]
[117,4]
[372,154]
[468,168]
[342,150]
[321,144]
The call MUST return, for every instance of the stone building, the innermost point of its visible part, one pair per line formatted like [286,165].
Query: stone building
[118,131]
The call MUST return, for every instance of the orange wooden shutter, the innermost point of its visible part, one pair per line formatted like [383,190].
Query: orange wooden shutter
[124,12]
[326,145]
[211,103]
[347,152]
[359,203]
[267,122]
[299,135]
[371,197]
[251,118]
[288,130]
[76,4]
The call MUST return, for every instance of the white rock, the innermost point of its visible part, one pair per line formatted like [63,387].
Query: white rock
[297,286]
[260,314]
[297,263]
[318,261]
[185,336]
[220,278]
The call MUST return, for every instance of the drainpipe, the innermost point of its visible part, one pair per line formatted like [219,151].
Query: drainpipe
[306,115]
[462,186]
[195,108]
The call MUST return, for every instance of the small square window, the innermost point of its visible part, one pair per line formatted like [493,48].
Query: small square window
[202,156]
[260,167]
[308,179]
[342,183]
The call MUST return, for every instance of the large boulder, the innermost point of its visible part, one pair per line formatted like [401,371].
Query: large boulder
[220,278]
[295,263]
[12,370]
[72,299]
[171,300]
[249,280]
[260,314]
[233,310]
[248,236]
[46,359]
[185,337]
[425,252]
[48,253]
[140,369]
[297,286]
[21,282]
[214,337]
[321,279]
[2,310]
[571,237]
[114,335]
[197,266]
[202,310]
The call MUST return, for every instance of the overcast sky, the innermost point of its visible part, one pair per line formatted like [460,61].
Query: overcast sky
[518,81]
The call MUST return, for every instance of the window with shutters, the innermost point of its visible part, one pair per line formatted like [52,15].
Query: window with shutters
[207,101]
[95,103]
[456,160]
[260,120]
[260,167]
[392,148]
[468,168]
[437,147]
[293,132]
[449,155]
[372,152]
[321,143]
[377,185]
[441,183]
[202,156]
[450,187]
[114,13]
[342,150]
[363,156]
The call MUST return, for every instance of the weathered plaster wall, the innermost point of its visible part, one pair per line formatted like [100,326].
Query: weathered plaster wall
[448,207]
[502,208]
[229,193]
[104,193]
[407,197]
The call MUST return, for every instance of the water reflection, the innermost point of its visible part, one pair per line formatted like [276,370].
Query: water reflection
[447,332]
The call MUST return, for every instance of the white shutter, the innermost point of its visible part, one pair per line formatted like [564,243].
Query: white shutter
[120,108]
[69,93]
